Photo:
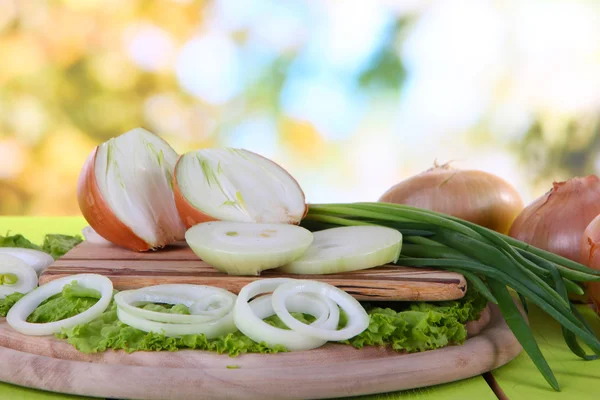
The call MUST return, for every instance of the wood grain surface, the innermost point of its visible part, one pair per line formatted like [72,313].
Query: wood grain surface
[178,264]
[331,371]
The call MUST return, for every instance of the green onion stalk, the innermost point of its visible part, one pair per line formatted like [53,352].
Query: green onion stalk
[490,261]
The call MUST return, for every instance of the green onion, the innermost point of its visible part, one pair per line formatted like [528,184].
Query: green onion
[490,261]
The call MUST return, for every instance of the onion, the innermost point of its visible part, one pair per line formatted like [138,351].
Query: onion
[125,191]
[248,317]
[556,221]
[206,303]
[246,248]
[475,196]
[38,260]
[358,319]
[17,316]
[91,236]
[590,255]
[235,185]
[16,276]
[348,248]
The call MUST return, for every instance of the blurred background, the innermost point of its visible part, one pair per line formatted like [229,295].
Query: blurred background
[349,96]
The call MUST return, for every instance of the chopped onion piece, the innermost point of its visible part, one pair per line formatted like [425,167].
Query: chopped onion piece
[38,260]
[245,248]
[248,317]
[12,267]
[348,248]
[206,303]
[210,329]
[358,319]
[17,316]
[91,236]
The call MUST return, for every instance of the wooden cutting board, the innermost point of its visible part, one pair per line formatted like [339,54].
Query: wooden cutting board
[331,371]
[178,264]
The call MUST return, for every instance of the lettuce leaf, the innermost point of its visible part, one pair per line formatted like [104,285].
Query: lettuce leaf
[17,241]
[405,326]
[54,244]
[9,301]
[58,245]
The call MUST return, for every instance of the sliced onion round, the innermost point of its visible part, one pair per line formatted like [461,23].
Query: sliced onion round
[211,329]
[206,303]
[248,317]
[348,248]
[358,319]
[38,260]
[235,185]
[245,248]
[17,316]
[27,278]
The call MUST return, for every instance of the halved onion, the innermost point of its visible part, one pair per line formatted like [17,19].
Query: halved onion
[235,185]
[246,248]
[16,276]
[125,191]
[248,317]
[206,303]
[358,319]
[17,316]
[348,248]
[38,260]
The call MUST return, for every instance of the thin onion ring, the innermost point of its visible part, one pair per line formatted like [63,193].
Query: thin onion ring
[358,319]
[210,329]
[249,318]
[17,316]
[27,278]
[192,296]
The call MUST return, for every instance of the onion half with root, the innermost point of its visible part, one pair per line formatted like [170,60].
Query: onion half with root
[235,185]
[125,191]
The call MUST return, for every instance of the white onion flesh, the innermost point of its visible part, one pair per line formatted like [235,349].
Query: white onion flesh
[245,248]
[248,317]
[358,319]
[239,185]
[17,316]
[210,329]
[91,236]
[27,278]
[134,172]
[36,259]
[206,303]
[348,248]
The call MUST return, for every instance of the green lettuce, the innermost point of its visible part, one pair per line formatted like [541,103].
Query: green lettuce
[59,245]
[9,301]
[54,244]
[404,326]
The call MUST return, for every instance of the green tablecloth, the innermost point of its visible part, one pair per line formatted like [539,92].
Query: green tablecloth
[519,379]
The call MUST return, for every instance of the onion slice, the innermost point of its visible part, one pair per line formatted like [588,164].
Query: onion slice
[358,319]
[14,267]
[17,316]
[38,260]
[245,248]
[210,329]
[206,303]
[248,317]
[348,248]
[235,185]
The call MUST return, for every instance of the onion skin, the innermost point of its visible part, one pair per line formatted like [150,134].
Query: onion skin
[557,220]
[590,255]
[99,215]
[475,196]
[191,216]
